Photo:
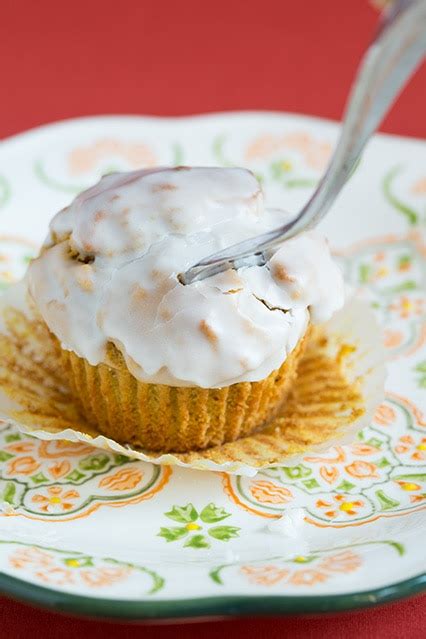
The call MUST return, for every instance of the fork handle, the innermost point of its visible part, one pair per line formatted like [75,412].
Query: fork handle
[394,54]
[390,60]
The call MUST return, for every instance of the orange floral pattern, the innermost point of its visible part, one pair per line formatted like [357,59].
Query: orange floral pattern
[86,158]
[265,575]
[345,561]
[57,449]
[392,338]
[51,477]
[126,478]
[22,466]
[419,187]
[350,485]
[414,486]
[384,415]
[315,153]
[59,469]
[55,576]
[56,499]
[413,447]
[363,449]
[329,474]
[105,576]
[269,493]
[69,570]
[340,504]
[307,577]
[30,556]
[406,306]
[20,447]
[339,456]
[362,469]
[325,568]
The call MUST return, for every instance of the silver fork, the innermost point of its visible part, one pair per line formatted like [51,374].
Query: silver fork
[390,60]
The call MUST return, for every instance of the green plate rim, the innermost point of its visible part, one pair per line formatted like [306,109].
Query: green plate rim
[214,606]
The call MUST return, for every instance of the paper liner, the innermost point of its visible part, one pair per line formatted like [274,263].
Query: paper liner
[169,418]
[340,383]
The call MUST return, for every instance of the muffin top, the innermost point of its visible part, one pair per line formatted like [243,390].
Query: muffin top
[107,273]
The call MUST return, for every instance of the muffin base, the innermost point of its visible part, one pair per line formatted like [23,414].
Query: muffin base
[174,419]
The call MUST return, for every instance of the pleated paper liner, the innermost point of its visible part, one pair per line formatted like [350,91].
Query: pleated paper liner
[164,418]
[340,383]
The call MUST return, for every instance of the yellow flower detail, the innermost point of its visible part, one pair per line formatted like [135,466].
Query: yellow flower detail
[192,526]
[382,272]
[300,559]
[407,444]
[286,165]
[407,485]
[73,563]
[57,497]
[406,307]
[347,506]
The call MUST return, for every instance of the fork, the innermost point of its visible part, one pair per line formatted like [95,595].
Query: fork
[388,63]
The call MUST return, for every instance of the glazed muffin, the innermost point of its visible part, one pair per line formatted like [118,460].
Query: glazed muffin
[157,364]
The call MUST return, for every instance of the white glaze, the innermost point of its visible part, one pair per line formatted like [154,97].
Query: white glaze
[289,525]
[145,227]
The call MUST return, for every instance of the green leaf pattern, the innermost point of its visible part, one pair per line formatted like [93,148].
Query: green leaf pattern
[401,207]
[420,369]
[183,514]
[197,541]
[197,529]
[211,514]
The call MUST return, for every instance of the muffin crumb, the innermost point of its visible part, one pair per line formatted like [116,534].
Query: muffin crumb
[100,215]
[244,364]
[138,294]
[280,273]
[164,186]
[208,332]
[84,277]
[166,315]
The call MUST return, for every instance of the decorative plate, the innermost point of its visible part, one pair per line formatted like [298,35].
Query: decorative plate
[93,532]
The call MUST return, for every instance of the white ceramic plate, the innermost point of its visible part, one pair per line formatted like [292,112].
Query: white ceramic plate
[92,532]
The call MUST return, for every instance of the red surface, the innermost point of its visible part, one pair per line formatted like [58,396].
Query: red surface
[65,59]
[407,620]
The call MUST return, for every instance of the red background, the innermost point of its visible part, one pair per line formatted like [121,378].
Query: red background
[174,57]
[65,59]
[405,620]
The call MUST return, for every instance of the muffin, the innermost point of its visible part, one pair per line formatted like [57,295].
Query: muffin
[157,364]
